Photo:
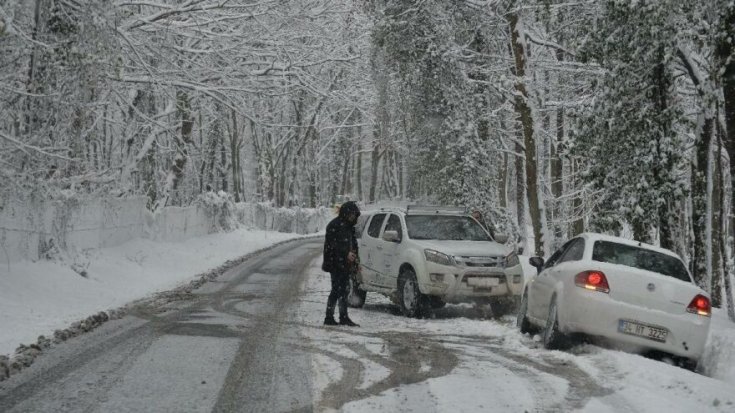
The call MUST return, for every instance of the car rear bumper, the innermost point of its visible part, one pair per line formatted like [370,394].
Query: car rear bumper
[455,284]
[596,314]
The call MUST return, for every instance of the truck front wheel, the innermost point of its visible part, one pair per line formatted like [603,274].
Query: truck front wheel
[413,303]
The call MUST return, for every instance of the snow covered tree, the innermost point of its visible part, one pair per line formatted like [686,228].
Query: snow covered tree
[726,69]
[628,134]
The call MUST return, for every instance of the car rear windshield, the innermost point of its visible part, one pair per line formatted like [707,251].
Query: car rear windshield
[445,227]
[644,259]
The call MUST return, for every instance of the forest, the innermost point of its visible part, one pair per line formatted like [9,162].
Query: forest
[554,117]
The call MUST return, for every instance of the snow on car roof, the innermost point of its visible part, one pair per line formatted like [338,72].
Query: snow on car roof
[425,210]
[592,236]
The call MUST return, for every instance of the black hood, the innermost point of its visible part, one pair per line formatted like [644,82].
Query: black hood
[349,207]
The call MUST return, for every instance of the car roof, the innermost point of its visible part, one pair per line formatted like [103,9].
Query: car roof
[592,236]
[400,211]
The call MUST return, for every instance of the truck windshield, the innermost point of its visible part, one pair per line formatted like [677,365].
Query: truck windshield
[644,259]
[445,227]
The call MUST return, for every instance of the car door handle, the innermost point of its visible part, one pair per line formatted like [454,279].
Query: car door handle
[379,248]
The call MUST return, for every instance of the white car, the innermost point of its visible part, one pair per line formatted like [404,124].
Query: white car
[424,257]
[634,294]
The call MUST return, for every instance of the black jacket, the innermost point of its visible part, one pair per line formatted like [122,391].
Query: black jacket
[340,240]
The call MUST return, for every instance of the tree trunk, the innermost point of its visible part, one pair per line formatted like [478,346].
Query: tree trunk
[144,103]
[520,170]
[235,155]
[202,163]
[578,225]
[525,116]
[312,190]
[727,228]
[31,86]
[724,53]
[345,173]
[664,166]
[556,172]
[716,235]
[700,198]
[211,155]
[401,177]
[374,163]
[503,190]
[381,135]
[259,156]
[223,169]
[557,165]
[701,182]
[176,171]
[358,164]
[283,176]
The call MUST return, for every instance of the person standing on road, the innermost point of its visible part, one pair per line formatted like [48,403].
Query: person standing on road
[340,254]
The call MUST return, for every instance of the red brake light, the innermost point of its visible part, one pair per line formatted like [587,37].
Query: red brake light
[700,305]
[592,280]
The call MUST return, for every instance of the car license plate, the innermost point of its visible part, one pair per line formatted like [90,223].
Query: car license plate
[483,282]
[643,330]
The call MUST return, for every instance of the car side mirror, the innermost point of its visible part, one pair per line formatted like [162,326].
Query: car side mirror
[391,236]
[501,238]
[537,262]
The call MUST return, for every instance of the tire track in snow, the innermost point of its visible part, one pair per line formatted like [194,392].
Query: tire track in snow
[582,386]
[406,354]
[266,365]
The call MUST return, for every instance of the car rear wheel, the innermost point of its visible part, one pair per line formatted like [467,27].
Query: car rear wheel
[412,302]
[553,338]
[522,321]
[355,295]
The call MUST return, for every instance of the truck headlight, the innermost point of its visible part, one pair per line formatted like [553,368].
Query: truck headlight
[438,257]
[512,260]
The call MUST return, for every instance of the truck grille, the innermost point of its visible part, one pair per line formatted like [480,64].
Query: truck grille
[482,262]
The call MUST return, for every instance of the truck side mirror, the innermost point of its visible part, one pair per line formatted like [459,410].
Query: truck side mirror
[391,236]
[501,238]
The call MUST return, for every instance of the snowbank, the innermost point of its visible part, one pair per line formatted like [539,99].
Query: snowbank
[40,297]
[719,356]
[68,258]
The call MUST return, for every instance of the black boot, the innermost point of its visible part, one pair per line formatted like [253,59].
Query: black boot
[345,321]
[330,321]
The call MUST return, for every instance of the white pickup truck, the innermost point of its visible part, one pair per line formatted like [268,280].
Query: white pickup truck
[424,257]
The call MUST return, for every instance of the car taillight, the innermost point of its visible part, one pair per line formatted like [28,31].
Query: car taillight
[700,305]
[592,280]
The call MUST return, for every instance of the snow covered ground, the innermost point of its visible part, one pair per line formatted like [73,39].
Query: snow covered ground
[37,298]
[456,361]
[464,362]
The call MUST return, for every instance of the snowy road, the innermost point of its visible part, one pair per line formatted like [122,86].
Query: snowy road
[253,341]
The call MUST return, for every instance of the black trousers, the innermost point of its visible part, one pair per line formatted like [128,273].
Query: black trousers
[339,293]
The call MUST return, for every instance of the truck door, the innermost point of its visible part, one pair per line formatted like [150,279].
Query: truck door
[370,250]
[389,269]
